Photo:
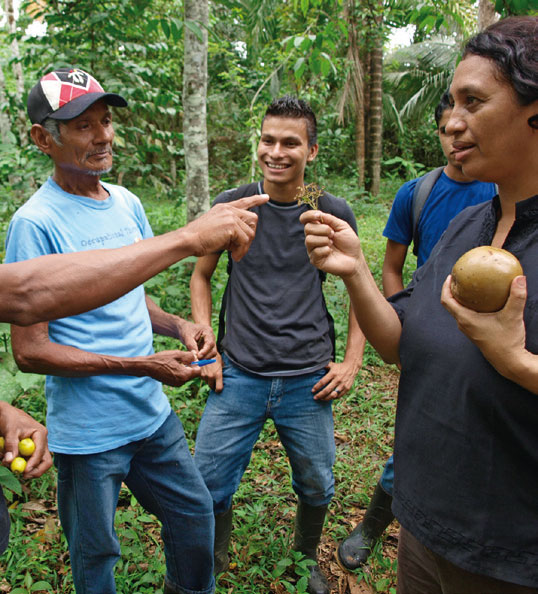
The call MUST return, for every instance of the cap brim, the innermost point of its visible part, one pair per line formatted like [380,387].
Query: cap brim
[79,105]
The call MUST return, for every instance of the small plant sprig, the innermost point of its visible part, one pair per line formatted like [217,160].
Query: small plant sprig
[309,194]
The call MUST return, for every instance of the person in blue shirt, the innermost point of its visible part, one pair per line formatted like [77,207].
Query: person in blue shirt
[452,192]
[108,419]
[61,285]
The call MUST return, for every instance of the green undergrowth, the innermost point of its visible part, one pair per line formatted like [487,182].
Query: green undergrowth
[262,560]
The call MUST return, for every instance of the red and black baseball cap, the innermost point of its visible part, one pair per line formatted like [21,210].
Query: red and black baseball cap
[65,93]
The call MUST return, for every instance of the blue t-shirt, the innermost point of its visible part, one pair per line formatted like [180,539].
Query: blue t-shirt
[446,200]
[101,412]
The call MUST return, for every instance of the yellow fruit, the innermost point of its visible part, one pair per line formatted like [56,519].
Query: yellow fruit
[18,464]
[26,447]
[481,278]
[2,444]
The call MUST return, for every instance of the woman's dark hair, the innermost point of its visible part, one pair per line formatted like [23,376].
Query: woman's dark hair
[511,43]
[291,107]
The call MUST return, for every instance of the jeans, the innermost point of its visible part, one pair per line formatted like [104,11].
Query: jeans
[161,474]
[387,478]
[232,422]
[421,571]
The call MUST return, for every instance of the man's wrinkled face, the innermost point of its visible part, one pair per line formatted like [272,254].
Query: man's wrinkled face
[86,142]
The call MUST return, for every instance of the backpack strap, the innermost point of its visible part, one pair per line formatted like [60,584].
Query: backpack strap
[235,194]
[422,190]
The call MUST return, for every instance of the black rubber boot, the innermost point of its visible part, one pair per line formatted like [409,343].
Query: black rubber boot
[169,590]
[223,532]
[356,548]
[308,528]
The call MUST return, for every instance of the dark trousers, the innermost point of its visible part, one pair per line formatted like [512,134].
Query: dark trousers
[421,571]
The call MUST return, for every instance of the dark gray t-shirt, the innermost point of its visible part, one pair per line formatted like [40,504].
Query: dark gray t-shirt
[277,322]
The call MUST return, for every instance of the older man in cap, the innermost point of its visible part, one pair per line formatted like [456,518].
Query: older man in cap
[109,420]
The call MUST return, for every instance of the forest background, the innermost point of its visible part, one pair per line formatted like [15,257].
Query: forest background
[198,76]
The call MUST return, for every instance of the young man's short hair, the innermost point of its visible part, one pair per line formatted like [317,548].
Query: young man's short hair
[291,107]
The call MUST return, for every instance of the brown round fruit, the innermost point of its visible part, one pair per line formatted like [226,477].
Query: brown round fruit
[481,278]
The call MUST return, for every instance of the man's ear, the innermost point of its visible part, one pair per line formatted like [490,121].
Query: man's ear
[313,151]
[42,138]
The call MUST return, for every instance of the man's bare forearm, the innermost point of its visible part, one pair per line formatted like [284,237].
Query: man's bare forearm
[62,285]
[392,284]
[35,353]
[201,301]
[356,341]
[57,286]
[200,285]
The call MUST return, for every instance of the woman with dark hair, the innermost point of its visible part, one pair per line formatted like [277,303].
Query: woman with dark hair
[466,445]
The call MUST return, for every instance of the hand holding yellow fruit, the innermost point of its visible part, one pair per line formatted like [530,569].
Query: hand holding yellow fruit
[26,447]
[18,465]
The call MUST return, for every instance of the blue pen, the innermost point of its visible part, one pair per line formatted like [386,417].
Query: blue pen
[203,362]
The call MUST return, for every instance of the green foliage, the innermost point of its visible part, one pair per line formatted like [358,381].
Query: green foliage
[126,44]
[416,76]
[514,7]
[257,50]
[411,169]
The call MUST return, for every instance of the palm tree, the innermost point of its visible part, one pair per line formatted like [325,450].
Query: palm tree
[416,76]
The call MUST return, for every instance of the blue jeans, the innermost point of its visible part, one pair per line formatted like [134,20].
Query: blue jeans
[387,478]
[232,422]
[161,474]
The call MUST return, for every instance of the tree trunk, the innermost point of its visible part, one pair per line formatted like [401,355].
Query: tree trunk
[358,95]
[376,114]
[360,145]
[486,14]
[352,98]
[20,114]
[5,127]
[194,108]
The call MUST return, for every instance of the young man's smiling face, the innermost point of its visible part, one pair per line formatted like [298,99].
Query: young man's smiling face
[283,152]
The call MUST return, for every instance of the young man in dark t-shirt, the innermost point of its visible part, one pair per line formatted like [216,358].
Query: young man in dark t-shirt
[277,350]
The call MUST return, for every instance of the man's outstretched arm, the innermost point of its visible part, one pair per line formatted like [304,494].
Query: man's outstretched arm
[62,285]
